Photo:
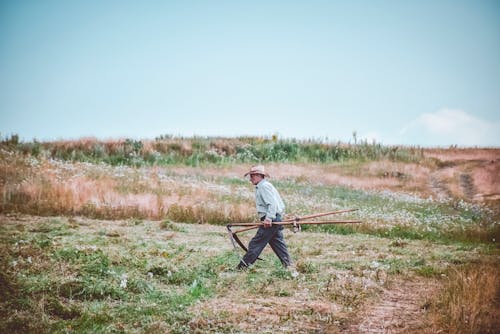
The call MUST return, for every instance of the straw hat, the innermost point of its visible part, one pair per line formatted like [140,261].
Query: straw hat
[259,169]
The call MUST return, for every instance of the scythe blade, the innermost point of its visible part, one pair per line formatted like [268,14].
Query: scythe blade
[235,240]
[231,236]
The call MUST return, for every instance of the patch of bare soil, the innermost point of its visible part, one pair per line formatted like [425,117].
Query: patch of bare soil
[463,154]
[471,180]
[486,180]
[473,174]
[401,308]
[439,188]
[268,315]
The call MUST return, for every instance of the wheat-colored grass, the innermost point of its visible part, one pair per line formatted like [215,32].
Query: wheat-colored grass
[469,301]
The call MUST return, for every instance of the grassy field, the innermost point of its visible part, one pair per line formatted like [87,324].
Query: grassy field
[96,246]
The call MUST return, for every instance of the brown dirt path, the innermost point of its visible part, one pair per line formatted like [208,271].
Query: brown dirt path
[399,309]
[473,174]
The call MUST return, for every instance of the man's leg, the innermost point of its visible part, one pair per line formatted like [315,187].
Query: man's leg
[257,244]
[278,244]
[279,247]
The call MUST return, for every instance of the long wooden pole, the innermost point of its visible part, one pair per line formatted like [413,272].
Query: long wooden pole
[320,222]
[296,222]
[296,219]
[318,215]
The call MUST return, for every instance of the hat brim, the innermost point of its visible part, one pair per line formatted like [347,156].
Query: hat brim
[249,173]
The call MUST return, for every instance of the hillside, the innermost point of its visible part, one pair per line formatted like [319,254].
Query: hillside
[132,240]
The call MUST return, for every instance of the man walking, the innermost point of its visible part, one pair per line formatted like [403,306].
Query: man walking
[270,208]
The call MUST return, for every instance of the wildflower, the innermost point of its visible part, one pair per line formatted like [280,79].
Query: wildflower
[150,274]
[123,281]
[20,242]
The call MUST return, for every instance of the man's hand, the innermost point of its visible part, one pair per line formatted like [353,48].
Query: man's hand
[268,223]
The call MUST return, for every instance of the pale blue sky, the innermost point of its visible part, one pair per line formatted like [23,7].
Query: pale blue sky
[400,72]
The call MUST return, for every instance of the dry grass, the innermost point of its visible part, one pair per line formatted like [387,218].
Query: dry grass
[218,195]
[50,187]
[187,269]
[470,300]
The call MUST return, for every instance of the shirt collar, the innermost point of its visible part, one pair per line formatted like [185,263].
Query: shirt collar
[261,182]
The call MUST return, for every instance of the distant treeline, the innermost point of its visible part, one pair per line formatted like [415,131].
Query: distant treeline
[195,151]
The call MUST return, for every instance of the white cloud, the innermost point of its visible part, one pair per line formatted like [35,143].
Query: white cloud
[451,127]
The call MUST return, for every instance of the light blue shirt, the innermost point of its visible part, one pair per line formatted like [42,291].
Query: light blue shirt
[267,200]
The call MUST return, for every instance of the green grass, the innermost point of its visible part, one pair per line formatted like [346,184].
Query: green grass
[171,226]
[95,284]
[74,280]
[393,215]
[74,274]
[198,151]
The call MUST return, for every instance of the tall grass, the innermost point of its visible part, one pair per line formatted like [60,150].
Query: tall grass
[47,187]
[469,302]
[195,151]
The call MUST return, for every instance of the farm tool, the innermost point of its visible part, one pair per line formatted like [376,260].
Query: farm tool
[295,222]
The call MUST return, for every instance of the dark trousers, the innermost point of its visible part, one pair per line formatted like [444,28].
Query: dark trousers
[274,237]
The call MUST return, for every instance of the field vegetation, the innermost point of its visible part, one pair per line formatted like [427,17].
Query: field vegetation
[127,236]
[196,151]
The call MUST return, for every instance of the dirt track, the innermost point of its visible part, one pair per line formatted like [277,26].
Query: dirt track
[400,309]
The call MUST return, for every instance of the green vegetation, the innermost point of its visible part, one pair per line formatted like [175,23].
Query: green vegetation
[169,150]
[392,215]
[159,260]
[86,282]
[73,285]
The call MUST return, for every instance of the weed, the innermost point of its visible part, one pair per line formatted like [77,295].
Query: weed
[306,267]
[62,309]
[198,290]
[429,271]
[344,290]
[398,243]
[171,226]
[279,271]
[184,214]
